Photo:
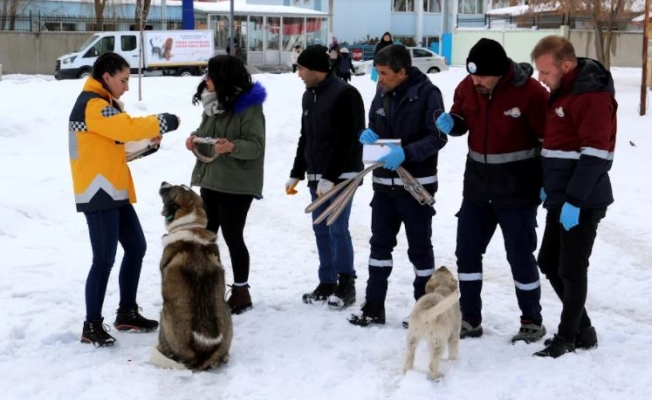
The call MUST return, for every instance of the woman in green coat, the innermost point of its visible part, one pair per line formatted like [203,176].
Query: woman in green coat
[233,114]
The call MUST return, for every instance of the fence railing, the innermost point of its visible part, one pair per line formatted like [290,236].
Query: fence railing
[541,21]
[37,22]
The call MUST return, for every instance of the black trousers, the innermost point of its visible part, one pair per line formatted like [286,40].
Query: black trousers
[229,212]
[564,259]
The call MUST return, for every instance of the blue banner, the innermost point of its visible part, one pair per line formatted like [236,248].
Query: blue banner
[187,14]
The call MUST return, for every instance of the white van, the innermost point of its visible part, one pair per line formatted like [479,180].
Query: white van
[182,53]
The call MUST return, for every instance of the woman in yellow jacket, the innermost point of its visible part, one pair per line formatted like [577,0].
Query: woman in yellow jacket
[104,191]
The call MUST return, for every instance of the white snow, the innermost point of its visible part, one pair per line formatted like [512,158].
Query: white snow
[284,349]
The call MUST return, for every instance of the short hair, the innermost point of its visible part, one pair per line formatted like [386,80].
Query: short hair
[230,77]
[108,62]
[558,46]
[394,56]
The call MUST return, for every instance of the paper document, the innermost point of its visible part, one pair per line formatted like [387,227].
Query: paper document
[372,152]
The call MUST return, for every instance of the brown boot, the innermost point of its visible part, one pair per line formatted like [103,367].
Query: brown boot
[240,299]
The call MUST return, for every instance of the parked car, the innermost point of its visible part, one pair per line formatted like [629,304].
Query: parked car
[426,60]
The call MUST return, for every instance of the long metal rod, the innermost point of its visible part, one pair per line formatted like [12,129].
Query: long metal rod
[646,28]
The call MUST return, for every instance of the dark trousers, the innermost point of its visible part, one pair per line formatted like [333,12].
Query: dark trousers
[334,244]
[388,212]
[106,229]
[229,212]
[475,227]
[564,259]
[294,68]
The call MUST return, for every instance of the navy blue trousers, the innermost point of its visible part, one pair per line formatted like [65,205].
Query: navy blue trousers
[475,227]
[564,259]
[388,212]
[107,229]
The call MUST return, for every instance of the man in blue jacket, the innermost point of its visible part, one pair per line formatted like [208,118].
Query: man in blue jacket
[403,108]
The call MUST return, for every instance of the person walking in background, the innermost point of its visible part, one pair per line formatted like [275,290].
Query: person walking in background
[578,151]
[328,152]
[385,41]
[344,65]
[104,192]
[403,108]
[295,55]
[232,114]
[504,109]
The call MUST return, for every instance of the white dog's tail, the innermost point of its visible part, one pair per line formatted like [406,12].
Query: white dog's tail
[441,307]
[204,341]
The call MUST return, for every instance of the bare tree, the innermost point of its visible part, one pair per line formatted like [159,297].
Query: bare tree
[604,16]
[142,6]
[9,14]
[100,5]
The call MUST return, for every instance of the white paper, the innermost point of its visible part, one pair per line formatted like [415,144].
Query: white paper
[372,152]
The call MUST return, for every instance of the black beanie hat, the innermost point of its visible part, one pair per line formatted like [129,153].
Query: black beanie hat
[315,58]
[487,58]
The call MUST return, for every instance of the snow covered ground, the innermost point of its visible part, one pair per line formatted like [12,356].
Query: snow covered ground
[284,349]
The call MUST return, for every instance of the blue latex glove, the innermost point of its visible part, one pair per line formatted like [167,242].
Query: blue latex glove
[570,216]
[368,136]
[542,195]
[395,157]
[445,123]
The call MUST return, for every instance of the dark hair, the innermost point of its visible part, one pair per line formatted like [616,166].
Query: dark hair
[394,56]
[108,62]
[558,46]
[230,77]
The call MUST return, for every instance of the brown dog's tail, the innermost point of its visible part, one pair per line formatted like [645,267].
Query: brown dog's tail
[206,331]
[441,307]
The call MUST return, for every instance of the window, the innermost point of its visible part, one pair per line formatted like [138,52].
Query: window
[432,6]
[255,33]
[470,7]
[417,53]
[128,43]
[403,5]
[105,44]
[292,33]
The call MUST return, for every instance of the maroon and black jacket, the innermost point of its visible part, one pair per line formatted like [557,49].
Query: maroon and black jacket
[505,127]
[580,138]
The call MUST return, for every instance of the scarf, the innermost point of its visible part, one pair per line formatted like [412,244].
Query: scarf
[210,103]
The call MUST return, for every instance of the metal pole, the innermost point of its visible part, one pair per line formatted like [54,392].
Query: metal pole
[141,53]
[646,27]
[231,30]
[164,14]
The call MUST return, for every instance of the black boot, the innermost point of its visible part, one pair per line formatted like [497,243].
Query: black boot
[321,293]
[558,347]
[240,299]
[129,319]
[344,294]
[586,339]
[95,332]
[369,314]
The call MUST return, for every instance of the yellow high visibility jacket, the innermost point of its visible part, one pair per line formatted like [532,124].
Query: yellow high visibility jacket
[98,129]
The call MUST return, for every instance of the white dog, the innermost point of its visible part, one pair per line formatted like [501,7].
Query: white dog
[437,319]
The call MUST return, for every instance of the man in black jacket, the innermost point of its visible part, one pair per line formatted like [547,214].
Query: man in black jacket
[329,152]
[403,108]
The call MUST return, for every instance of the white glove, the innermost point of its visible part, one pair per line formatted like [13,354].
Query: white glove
[290,186]
[324,186]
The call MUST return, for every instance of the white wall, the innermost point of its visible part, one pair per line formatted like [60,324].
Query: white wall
[355,19]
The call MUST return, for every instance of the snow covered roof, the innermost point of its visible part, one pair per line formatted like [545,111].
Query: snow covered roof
[641,18]
[520,10]
[242,7]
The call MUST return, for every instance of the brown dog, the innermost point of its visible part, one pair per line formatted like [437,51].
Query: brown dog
[437,319]
[196,327]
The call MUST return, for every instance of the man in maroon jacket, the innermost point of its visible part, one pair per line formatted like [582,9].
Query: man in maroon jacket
[578,150]
[504,111]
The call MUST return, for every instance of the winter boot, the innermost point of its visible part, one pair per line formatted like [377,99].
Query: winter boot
[529,332]
[344,294]
[95,332]
[586,339]
[321,293]
[369,314]
[129,319]
[470,331]
[557,347]
[240,299]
